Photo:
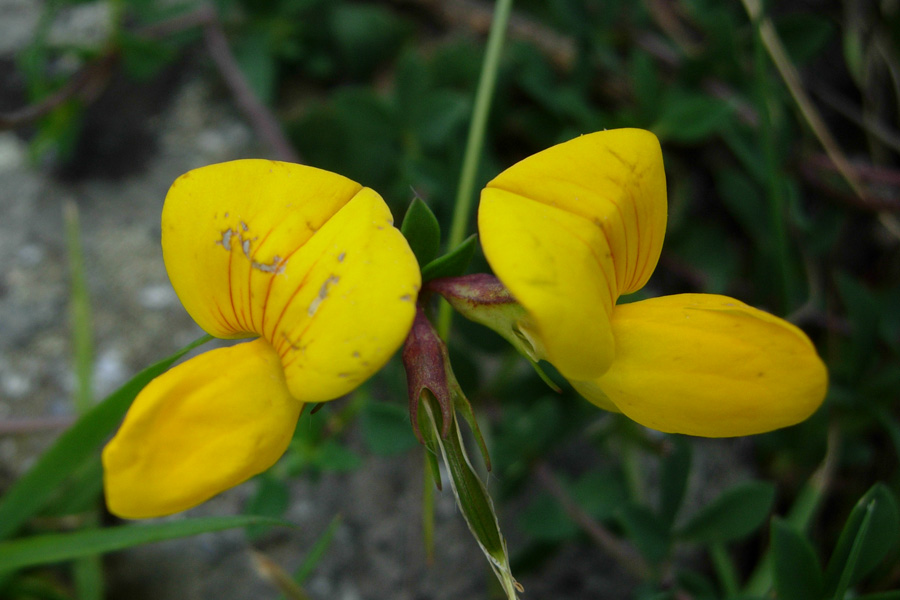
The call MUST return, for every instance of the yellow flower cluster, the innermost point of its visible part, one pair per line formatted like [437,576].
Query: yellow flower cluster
[309,264]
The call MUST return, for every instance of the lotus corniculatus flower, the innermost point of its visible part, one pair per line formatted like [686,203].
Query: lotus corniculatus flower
[572,229]
[305,261]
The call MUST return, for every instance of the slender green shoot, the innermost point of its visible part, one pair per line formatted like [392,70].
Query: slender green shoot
[80,310]
[88,570]
[483,96]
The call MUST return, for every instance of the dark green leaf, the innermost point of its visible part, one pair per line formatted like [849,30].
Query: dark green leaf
[253,54]
[600,492]
[736,513]
[142,57]
[30,493]
[804,35]
[545,520]
[454,263]
[333,456]
[894,595]
[880,536]
[675,469]
[713,252]
[386,428]
[411,83]
[45,549]
[645,82]
[81,493]
[444,113]
[271,499]
[691,117]
[864,310]
[745,202]
[365,35]
[798,574]
[646,530]
[423,232]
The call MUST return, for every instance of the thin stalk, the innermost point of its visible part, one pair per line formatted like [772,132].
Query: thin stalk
[483,96]
[87,571]
[80,313]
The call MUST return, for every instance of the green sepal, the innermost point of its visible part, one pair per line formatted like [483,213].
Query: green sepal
[483,299]
[461,403]
[452,264]
[423,232]
[429,439]
[543,374]
[472,497]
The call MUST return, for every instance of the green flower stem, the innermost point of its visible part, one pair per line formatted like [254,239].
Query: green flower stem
[483,96]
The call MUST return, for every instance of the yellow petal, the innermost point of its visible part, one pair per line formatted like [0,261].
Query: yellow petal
[615,181]
[710,366]
[558,266]
[200,428]
[350,304]
[228,229]
[303,257]
[570,229]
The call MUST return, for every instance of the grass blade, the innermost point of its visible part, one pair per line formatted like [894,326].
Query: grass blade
[58,547]
[30,493]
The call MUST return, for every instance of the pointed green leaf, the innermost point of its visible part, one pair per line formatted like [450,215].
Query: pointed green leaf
[29,494]
[736,513]
[422,231]
[798,574]
[879,538]
[675,469]
[453,263]
[58,547]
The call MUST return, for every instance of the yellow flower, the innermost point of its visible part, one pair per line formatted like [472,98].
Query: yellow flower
[305,261]
[571,229]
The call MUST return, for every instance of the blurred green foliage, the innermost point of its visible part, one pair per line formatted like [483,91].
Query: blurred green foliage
[382,92]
